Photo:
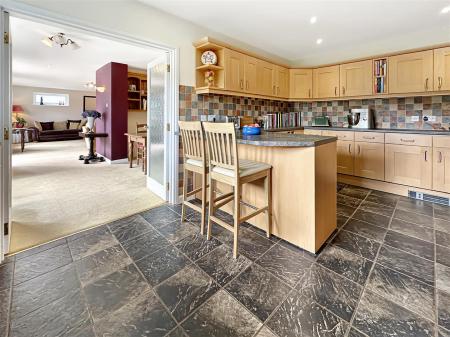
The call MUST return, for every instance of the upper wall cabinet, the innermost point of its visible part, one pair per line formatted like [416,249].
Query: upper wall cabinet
[265,78]
[442,69]
[326,82]
[234,70]
[411,72]
[281,82]
[300,83]
[356,78]
[251,79]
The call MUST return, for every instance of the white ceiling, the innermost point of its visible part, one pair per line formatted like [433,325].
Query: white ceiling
[35,64]
[349,29]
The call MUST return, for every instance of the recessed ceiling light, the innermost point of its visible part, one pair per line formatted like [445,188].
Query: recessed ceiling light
[445,10]
[319,41]
[313,19]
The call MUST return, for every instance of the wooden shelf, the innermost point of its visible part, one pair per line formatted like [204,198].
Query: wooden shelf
[209,67]
[135,97]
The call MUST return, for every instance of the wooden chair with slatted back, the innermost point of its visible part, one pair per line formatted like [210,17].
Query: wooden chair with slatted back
[226,167]
[194,161]
[141,150]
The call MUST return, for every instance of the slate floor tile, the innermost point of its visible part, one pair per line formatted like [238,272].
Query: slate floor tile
[160,216]
[365,229]
[406,263]
[372,218]
[102,263]
[265,332]
[355,333]
[441,212]
[346,200]
[5,296]
[341,261]
[251,244]
[444,309]
[178,332]
[301,316]
[356,244]
[355,192]
[443,332]
[221,265]
[92,243]
[403,290]
[258,290]
[162,264]
[145,317]
[411,245]
[130,227]
[195,246]
[376,208]
[177,209]
[42,290]
[175,231]
[221,316]
[443,239]
[443,255]
[383,198]
[442,225]
[443,277]
[341,220]
[336,293]
[186,291]
[41,263]
[110,293]
[145,244]
[285,264]
[411,229]
[3,329]
[40,248]
[67,316]
[418,219]
[416,206]
[345,210]
[6,275]
[76,236]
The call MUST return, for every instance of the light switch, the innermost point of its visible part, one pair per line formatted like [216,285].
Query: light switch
[414,118]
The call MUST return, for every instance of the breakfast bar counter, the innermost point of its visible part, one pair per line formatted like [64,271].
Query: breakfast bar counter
[303,186]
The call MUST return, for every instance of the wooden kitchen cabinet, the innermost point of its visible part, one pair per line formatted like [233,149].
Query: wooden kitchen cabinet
[356,78]
[409,165]
[369,160]
[326,82]
[345,162]
[441,169]
[300,83]
[442,69]
[235,70]
[411,72]
[251,79]
[312,132]
[265,78]
[281,82]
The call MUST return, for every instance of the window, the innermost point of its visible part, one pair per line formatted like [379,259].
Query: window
[40,98]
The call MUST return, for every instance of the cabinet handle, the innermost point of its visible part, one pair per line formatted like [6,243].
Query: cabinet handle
[335,91]
[426,155]
[359,149]
[426,84]
[439,82]
[440,157]
[273,90]
[309,93]
[246,84]
[241,84]
[278,90]
[407,140]
[365,137]
[350,148]
[343,90]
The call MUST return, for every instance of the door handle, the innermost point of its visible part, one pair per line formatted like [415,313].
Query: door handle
[246,84]
[5,133]
[241,84]
[309,93]
[278,90]
[273,90]
[359,149]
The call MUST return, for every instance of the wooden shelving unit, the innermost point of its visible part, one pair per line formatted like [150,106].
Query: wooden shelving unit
[380,77]
[137,96]
[219,68]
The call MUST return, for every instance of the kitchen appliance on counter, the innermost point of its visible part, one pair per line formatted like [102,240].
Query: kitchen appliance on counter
[321,121]
[361,119]
[234,119]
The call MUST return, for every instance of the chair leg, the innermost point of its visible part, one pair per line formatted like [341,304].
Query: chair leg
[268,191]
[185,184]
[237,216]
[204,200]
[211,206]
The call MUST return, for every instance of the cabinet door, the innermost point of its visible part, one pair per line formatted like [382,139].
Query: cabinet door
[300,83]
[442,69]
[250,74]
[409,165]
[369,160]
[441,169]
[345,162]
[265,78]
[235,71]
[282,82]
[356,78]
[411,72]
[326,82]
[312,132]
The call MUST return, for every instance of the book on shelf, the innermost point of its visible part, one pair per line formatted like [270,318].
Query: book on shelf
[279,120]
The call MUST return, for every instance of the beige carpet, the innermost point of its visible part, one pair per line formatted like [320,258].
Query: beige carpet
[55,194]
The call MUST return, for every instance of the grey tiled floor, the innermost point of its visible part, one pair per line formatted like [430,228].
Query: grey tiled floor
[385,272]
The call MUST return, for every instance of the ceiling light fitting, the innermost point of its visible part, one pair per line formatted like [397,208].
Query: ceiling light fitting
[92,85]
[61,40]
[445,10]
[319,41]
[313,19]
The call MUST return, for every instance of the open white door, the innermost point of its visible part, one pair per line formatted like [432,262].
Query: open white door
[5,143]
[158,135]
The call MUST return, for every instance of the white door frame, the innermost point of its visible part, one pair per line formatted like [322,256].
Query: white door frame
[29,12]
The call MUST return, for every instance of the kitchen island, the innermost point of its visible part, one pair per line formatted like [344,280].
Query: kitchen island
[303,186]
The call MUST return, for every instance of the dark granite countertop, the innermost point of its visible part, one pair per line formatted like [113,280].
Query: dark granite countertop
[285,129]
[426,132]
[283,139]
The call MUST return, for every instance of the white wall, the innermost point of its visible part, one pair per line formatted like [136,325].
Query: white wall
[134,19]
[24,96]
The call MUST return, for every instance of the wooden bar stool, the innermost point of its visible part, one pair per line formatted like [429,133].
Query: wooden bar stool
[225,167]
[141,149]
[194,161]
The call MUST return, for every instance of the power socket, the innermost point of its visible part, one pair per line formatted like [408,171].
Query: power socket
[429,118]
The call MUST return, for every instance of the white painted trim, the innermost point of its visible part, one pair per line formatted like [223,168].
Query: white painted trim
[112,162]
[156,188]
[37,14]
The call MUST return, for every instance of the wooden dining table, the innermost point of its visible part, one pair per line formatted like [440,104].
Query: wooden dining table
[135,139]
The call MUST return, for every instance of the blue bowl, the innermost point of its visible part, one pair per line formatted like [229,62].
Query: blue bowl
[246,130]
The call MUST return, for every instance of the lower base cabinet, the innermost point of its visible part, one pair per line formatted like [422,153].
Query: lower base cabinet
[345,162]
[369,160]
[441,169]
[409,165]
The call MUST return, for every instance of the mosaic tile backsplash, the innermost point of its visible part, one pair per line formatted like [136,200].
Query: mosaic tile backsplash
[390,113]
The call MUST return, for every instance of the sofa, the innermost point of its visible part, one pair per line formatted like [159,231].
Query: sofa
[58,130]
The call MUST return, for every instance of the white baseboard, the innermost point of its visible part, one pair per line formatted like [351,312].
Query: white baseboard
[117,161]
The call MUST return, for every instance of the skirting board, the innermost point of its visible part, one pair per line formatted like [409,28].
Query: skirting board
[118,161]
[386,186]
